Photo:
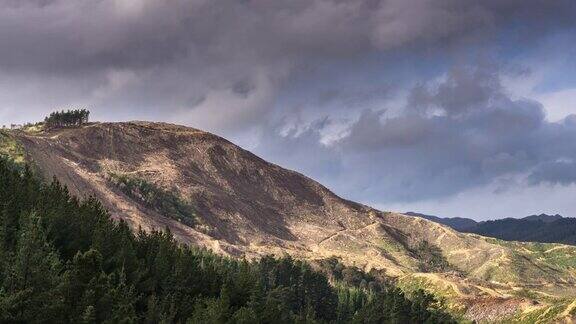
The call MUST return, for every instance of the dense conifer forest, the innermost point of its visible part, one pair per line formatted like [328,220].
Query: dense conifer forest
[63,260]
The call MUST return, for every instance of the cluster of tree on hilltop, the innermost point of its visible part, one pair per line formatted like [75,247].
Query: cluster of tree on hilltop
[69,118]
[63,260]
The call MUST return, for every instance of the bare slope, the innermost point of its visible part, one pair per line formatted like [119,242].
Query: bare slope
[245,206]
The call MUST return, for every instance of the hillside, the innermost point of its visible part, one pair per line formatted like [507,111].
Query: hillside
[535,228]
[211,193]
[65,261]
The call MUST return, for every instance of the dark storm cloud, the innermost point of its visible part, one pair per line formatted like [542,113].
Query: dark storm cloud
[464,132]
[65,36]
[561,172]
[455,134]
[223,65]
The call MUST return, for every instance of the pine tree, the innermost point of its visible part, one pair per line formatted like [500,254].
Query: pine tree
[33,282]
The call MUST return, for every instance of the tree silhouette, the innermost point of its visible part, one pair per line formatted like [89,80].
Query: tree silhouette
[69,118]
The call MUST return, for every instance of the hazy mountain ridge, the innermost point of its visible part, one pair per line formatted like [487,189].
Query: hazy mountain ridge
[543,217]
[247,207]
[541,228]
[457,223]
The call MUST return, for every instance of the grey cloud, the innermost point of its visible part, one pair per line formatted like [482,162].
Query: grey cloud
[370,132]
[430,21]
[570,120]
[182,50]
[560,172]
[64,35]
[223,65]
[353,97]
[468,132]
[463,92]
[302,150]
[243,88]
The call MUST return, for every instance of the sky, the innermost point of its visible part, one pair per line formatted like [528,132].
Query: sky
[447,107]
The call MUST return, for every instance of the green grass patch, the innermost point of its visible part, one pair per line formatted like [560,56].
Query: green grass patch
[167,203]
[562,256]
[391,246]
[548,314]
[528,294]
[431,257]
[11,149]
[446,296]
[33,129]
[410,284]
[546,258]
[501,273]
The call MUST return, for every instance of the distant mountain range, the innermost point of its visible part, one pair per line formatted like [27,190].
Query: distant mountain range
[535,228]
[457,223]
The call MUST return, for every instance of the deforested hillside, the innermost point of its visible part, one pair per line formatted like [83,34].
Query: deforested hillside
[64,261]
[213,194]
